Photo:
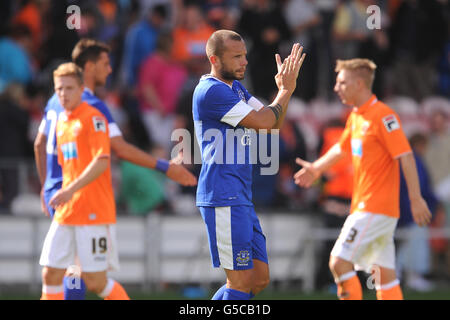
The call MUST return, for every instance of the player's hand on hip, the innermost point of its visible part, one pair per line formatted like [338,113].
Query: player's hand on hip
[420,212]
[61,197]
[178,173]
[306,176]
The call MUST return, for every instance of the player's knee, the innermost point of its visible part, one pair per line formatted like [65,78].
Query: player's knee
[94,284]
[262,283]
[339,266]
[51,276]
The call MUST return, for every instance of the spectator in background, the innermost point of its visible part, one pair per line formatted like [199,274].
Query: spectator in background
[415,47]
[444,71]
[160,82]
[141,189]
[140,41]
[14,144]
[31,14]
[262,22]
[190,36]
[350,29]
[303,19]
[438,152]
[414,252]
[292,143]
[336,197]
[15,59]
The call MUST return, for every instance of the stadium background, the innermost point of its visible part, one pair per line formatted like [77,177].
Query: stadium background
[411,49]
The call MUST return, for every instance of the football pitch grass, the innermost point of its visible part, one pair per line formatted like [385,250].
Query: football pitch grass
[267,295]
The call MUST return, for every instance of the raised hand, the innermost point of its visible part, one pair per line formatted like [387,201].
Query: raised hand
[288,70]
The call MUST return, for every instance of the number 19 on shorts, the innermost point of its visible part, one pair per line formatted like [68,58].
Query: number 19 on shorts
[99,245]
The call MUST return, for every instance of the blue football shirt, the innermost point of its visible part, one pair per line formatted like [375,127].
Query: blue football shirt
[226,174]
[48,128]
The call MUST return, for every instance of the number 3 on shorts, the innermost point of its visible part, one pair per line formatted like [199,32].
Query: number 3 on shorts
[101,243]
[351,236]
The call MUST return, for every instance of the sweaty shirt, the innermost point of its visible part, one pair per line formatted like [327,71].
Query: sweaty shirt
[374,137]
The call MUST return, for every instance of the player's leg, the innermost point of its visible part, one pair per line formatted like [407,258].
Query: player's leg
[52,283]
[104,287]
[74,287]
[57,254]
[230,233]
[389,286]
[341,258]
[385,275]
[261,277]
[97,253]
[347,281]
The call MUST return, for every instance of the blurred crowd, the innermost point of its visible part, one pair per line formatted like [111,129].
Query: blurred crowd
[158,55]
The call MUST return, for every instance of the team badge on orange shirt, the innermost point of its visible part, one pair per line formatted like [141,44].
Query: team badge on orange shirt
[390,122]
[99,124]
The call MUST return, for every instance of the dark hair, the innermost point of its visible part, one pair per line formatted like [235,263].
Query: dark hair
[88,50]
[216,42]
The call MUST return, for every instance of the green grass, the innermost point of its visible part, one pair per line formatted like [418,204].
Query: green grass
[268,295]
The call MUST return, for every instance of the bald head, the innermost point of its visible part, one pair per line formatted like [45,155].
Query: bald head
[216,42]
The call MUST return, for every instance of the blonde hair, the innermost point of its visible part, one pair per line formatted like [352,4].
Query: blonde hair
[363,68]
[69,69]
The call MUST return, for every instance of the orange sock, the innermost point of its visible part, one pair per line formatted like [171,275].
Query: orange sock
[52,292]
[390,291]
[349,287]
[114,291]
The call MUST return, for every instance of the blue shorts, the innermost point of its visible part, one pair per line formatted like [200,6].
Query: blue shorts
[48,194]
[235,236]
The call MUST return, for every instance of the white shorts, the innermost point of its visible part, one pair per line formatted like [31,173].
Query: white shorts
[367,239]
[95,247]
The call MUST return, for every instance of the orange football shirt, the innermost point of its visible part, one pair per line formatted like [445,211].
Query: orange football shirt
[82,135]
[374,137]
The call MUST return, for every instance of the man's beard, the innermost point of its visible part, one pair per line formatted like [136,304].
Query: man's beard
[229,75]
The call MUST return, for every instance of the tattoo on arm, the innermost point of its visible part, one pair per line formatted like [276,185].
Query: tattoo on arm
[277,110]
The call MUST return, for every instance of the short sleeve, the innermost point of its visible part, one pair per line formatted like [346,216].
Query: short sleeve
[99,143]
[43,126]
[114,129]
[346,136]
[224,105]
[392,135]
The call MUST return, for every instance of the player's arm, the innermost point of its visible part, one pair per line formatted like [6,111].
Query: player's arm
[272,116]
[419,209]
[310,172]
[40,158]
[174,171]
[95,168]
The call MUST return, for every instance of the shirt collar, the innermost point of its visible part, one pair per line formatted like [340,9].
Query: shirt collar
[372,100]
[206,76]
[75,111]
[88,90]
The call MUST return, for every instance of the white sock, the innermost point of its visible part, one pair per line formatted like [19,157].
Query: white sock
[108,288]
[346,276]
[52,289]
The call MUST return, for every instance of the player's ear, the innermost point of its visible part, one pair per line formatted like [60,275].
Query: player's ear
[213,59]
